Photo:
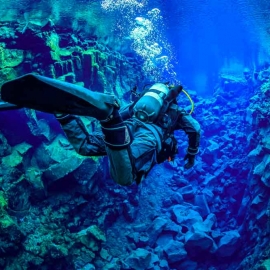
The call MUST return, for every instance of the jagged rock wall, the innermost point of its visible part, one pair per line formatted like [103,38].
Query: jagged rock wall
[256,225]
[65,56]
[39,169]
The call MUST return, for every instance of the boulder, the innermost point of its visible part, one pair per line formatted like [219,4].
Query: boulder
[91,237]
[197,242]
[11,57]
[11,235]
[189,265]
[155,229]
[172,228]
[129,212]
[13,160]
[210,221]
[139,259]
[187,192]
[175,251]
[5,148]
[263,170]
[163,239]
[185,216]
[228,244]
[201,202]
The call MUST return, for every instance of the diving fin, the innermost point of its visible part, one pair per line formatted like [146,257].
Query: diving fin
[55,96]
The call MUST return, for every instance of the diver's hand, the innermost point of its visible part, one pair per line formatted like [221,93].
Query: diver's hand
[190,161]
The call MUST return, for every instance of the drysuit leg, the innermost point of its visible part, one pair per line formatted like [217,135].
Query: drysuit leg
[114,142]
[83,142]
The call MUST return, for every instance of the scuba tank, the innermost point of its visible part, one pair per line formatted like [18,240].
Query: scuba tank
[154,101]
[147,108]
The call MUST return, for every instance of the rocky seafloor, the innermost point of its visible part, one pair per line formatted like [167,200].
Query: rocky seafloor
[62,211]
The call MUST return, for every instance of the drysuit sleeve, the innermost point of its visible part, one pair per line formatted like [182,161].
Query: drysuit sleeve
[192,128]
[83,142]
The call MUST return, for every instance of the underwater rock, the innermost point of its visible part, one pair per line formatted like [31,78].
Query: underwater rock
[172,228]
[7,74]
[134,237]
[213,126]
[187,192]
[266,145]
[265,265]
[258,200]
[89,234]
[164,265]
[38,127]
[18,194]
[179,180]
[210,154]
[129,211]
[57,251]
[231,85]
[139,259]
[5,148]
[164,238]
[140,227]
[143,240]
[185,216]
[22,148]
[105,255]
[10,58]
[263,170]
[197,242]
[201,202]
[88,267]
[33,176]
[3,203]
[13,160]
[176,198]
[228,244]
[210,221]
[189,265]
[82,257]
[114,264]
[63,160]
[155,229]
[175,251]
[10,234]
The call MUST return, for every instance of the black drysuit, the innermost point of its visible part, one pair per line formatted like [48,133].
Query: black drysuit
[136,160]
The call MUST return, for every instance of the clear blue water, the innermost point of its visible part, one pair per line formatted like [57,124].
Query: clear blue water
[201,38]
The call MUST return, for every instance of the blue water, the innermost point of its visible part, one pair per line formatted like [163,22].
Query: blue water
[212,37]
[204,39]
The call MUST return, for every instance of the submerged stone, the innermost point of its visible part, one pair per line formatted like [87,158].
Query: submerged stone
[155,229]
[139,259]
[175,251]
[228,244]
[198,242]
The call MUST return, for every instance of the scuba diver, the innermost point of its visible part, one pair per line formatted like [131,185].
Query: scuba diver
[135,137]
